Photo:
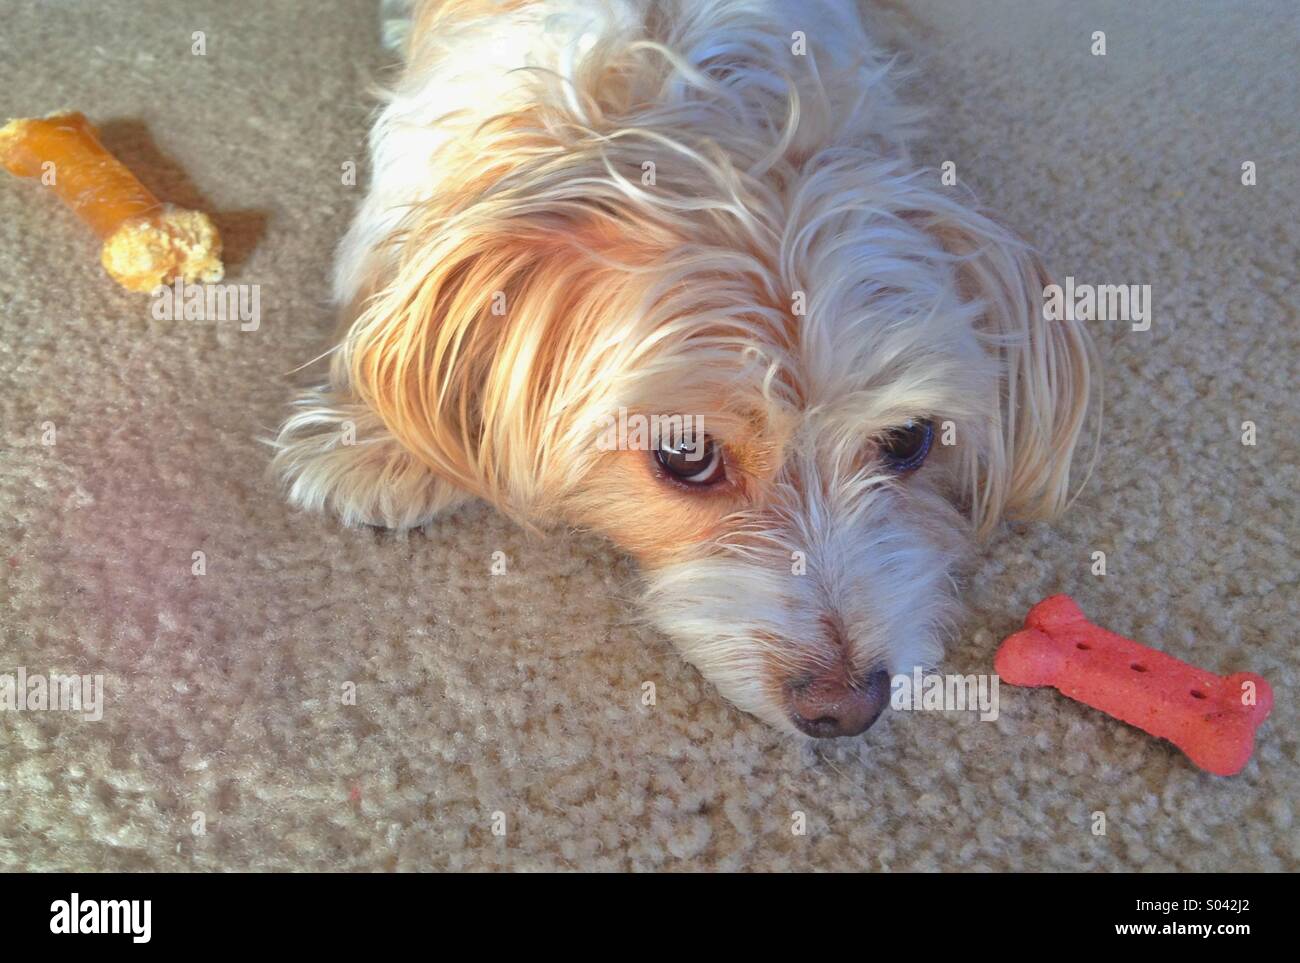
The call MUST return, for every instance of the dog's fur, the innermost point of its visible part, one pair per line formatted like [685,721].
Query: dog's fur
[509,167]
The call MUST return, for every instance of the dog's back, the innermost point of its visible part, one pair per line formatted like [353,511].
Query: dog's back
[470,60]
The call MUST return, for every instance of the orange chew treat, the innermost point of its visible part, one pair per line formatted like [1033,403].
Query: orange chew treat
[1211,718]
[146,243]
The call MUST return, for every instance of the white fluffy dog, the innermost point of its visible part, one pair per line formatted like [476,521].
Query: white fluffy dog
[697,208]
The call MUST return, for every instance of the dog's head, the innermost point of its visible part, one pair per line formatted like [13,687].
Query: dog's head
[859,364]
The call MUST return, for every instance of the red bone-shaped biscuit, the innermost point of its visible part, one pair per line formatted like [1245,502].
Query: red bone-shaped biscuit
[1211,718]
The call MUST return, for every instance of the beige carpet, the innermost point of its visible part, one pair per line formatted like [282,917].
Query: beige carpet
[520,694]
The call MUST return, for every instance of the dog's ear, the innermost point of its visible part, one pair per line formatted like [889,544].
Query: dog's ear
[1020,466]
[336,455]
[466,372]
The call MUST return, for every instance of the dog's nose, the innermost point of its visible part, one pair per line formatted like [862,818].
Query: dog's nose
[827,708]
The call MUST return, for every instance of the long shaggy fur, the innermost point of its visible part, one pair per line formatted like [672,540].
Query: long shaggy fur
[662,206]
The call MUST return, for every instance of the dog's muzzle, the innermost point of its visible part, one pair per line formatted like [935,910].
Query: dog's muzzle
[830,707]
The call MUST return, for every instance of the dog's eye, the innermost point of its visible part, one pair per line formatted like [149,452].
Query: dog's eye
[905,447]
[692,460]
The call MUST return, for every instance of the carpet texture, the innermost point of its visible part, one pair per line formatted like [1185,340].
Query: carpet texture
[519,694]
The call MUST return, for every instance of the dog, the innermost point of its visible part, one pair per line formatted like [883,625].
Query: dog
[582,211]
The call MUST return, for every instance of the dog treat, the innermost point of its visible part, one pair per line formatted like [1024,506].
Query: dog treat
[1211,718]
[146,243]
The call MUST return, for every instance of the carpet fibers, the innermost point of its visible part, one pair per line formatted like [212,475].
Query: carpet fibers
[229,738]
